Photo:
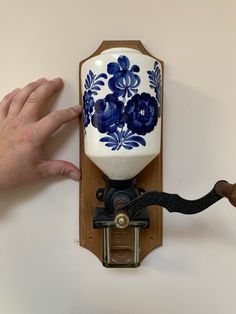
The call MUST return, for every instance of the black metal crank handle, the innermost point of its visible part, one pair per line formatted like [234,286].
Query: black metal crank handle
[175,203]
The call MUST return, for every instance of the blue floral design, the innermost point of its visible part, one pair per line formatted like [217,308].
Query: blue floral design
[93,82]
[155,81]
[88,102]
[141,113]
[125,139]
[124,124]
[92,85]
[107,116]
[124,81]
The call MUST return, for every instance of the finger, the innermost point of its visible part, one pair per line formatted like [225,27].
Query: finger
[59,168]
[19,100]
[6,102]
[52,122]
[37,99]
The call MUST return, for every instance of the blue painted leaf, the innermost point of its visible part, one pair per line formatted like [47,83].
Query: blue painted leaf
[151,77]
[110,144]
[102,75]
[152,82]
[91,74]
[99,83]
[86,84]
[108,139]
[113,135]
[88,80]
[127,147]
[111,141]
[133,144]
[127,133]
[130,133]
[138,139]
[94,93]
[96,88]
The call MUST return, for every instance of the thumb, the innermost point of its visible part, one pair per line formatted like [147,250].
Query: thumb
[59,168]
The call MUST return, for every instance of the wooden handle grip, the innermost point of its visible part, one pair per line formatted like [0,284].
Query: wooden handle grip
[227,190]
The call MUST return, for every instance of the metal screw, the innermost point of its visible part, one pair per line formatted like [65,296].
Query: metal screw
[100,194]
[121,221]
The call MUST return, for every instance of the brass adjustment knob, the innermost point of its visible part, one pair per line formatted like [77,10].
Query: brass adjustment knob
[121,220]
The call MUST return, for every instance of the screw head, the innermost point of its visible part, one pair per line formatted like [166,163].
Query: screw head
[121,221]
[100,194]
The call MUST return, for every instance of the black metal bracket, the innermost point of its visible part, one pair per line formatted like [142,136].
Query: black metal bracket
[115,195]
[102,219]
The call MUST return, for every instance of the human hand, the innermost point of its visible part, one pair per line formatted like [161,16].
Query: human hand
[23,133]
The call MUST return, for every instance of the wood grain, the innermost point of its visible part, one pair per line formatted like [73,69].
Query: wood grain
[92,178]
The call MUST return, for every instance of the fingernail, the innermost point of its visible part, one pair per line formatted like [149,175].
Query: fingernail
[57,79]
[41,80]
[74,175]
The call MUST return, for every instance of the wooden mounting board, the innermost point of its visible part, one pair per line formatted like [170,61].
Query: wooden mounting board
[92,179]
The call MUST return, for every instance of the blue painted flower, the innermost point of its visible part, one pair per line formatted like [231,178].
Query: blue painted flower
[108,114]
[141,113]
[88,104]
[124,80]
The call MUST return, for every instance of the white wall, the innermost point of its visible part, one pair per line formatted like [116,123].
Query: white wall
[42,270]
